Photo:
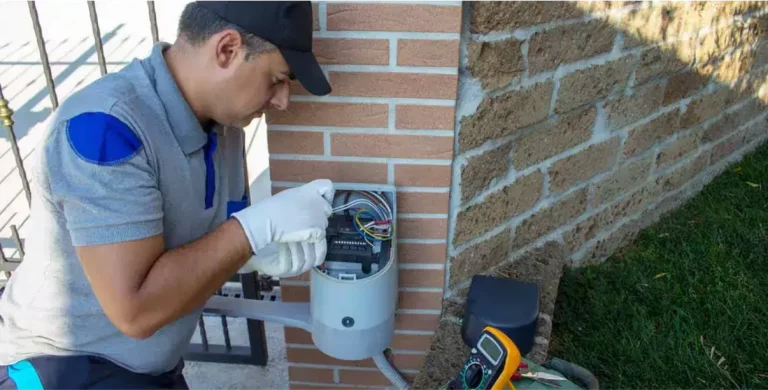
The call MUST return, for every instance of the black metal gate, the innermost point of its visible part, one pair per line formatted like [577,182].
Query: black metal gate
[249,286]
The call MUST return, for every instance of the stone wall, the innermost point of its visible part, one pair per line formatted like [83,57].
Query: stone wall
[580,123]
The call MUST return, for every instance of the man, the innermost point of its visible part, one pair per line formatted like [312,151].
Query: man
[137,177]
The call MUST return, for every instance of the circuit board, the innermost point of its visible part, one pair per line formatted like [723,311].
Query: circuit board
[346,245]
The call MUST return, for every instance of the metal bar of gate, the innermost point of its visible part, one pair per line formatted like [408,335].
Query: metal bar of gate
[153,21]
[97,37]
[43,54]
[17,240]
[6,115]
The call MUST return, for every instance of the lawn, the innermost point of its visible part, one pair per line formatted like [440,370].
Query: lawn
[684,306]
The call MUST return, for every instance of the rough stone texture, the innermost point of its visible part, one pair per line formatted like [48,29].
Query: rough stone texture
[644,136]
[444,358]
[590,227]
[756,130]
[482,169]
[676,178]
[601,249]
[731,121]
[583,165]
[675,151]
[550,218]
[455,306]
[569,43]
[490,16]
[496,208]
[503,115]
[713,45]
[683,85]
[480,257]
[728,146]
[705,107]
[554,138]
[593,83]
[663,60]
[622,181]
[495,63]
[629,109]
[733,66]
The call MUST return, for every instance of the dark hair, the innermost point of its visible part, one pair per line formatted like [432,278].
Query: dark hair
[197,24]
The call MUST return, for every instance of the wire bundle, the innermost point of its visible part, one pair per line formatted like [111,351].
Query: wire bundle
[374,207]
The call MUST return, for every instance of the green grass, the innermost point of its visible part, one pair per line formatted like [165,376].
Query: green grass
[638,319]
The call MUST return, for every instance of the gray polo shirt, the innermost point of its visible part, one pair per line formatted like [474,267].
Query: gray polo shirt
[122,159]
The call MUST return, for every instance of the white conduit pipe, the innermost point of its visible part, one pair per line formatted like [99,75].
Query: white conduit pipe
[390,372]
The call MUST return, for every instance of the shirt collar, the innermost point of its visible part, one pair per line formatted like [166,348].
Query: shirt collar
[186,128]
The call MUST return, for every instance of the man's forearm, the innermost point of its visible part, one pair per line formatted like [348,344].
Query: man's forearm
[184,278]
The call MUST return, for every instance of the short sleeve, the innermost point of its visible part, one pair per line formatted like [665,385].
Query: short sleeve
[101,180]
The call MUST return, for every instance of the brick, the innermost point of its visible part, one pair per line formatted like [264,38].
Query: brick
[394,85]
[480,257]
[622,181]
[679,148]
[346,172]
[331,114]
[496,63]
[367,378]
[726,148]
[306,386]
[499,206]
[712,45]
[482,169]
[675,179]
[569,43]
[731,121]
[428,52]
[315,356]
[315,17]
[490,16]
[705,107]
[410,342]
[649,25]
[683,85]
[294,293]
[392,146]
[421,253]
[297,336]
[629,109]
[295,142]
[554,138]
[550,218]
[349,51]
[408,361]
[660,61]
[422,202]
[607,246]
[422,227]
[423,175]
[504,115]
[642,137]
[424,117]
[420,300]
[596,82]
[393,17]
[581,166]
[735,65]
[756,130]
[306,374]
[431,278]
[423,322]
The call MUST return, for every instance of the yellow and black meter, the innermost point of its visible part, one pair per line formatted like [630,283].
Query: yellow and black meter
[491,365]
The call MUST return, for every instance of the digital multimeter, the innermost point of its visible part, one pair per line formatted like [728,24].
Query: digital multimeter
[493,361]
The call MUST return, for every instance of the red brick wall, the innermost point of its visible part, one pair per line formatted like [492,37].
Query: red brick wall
[389,120]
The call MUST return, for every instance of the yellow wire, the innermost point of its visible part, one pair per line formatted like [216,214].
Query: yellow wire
[370,233]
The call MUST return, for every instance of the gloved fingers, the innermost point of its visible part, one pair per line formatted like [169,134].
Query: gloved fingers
[308,250]
[320,250]
[297,257]
[311,234]
[324,187]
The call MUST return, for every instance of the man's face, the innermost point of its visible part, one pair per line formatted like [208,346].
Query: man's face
[246,88]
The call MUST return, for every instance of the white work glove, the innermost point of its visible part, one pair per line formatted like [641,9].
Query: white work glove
[294,222]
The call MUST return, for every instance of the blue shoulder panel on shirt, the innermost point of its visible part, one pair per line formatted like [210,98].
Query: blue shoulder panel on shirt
[102,139]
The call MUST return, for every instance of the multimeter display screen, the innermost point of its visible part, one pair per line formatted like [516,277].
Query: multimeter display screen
[491,349]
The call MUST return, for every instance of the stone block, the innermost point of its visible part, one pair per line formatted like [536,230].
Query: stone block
[731,121]
[641,138]
[725,148]
[498,207]
[581,166]
[480,257]
[622,181]
[683,85]
[675,179]
[603,248]
[553,138]
[497,63]
[550,218]
[735,65]
[490,16]
[714,44]
[756,130]
[569,43]
[629,109]
[663,60]
[679,148]
[593,83]
[705,107]
[504,115]
[482,169]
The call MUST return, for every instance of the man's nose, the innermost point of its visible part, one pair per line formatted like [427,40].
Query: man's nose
[280,99]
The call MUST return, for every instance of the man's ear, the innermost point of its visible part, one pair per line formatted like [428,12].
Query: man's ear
[229,46]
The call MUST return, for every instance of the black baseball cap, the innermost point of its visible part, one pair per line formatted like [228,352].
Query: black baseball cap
[285,24]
